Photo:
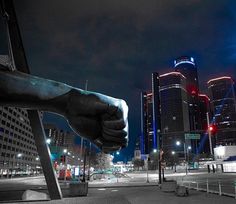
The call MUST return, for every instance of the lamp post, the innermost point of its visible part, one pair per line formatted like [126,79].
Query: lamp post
[13,162]
[178,143]
[89,159]
[209,133]
[65,163]
[18,156]
[173,153]
[36,159]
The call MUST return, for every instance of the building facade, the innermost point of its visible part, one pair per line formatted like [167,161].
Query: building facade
[204,112]
[62,146]
[55,135]
[174,113]
[18,153]
[223,103]
[146,140]
[174,109]
[186,66]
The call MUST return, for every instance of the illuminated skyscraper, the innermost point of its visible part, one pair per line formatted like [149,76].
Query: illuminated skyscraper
[174,112]
[223,103]
[146,140]
[187,67]
[174,108]
[204,109]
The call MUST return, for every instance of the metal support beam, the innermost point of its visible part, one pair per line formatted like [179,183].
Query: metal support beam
[157,138]
[44,154]
[19,62]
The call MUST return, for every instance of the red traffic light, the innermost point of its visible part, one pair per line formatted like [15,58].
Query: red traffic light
[212,129]
[63,158]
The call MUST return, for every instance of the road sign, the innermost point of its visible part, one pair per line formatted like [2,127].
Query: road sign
[192,136]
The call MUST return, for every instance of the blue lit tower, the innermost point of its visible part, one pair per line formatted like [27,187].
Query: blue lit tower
[223,103]
[186,66]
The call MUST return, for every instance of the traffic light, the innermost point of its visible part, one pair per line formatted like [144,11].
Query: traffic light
[63,158]
[212,128]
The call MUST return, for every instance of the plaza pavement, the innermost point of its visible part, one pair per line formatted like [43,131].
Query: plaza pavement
[148,194]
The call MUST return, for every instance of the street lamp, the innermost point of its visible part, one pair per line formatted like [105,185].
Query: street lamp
[19,155]
[178,143]
[13,162]
[48,141]
[65,162]
[173,153]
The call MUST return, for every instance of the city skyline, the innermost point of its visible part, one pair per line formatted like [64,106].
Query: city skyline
[174,64]
[117,46]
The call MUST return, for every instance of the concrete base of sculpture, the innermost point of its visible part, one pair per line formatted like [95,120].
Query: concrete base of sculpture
[78,189]
[169,186]
[181,191]
[34,195]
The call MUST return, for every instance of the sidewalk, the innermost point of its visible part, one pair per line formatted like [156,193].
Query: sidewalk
[139,195]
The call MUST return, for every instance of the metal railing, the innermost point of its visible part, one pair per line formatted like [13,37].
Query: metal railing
[217,186]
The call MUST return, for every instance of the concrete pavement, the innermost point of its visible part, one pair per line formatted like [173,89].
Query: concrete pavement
[139,195]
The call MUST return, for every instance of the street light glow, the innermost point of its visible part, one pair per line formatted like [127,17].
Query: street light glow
[64,150]
[48,140]
[155,150]
[189,147]
[178,143]
[173,152]
[117,153]
[19,155]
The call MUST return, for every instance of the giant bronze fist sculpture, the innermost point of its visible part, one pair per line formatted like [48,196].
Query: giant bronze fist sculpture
[99,118]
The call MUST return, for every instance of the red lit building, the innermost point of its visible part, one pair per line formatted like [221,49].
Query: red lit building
[223,104]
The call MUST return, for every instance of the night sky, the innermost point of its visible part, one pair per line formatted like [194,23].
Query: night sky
[116,45]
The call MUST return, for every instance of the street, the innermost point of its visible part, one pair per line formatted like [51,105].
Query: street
[125,188]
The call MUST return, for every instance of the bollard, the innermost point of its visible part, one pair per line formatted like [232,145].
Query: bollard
[197,186]
[189,185]
[207,186]
[148,177]
[235,189]
[220,192]
[208,168]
